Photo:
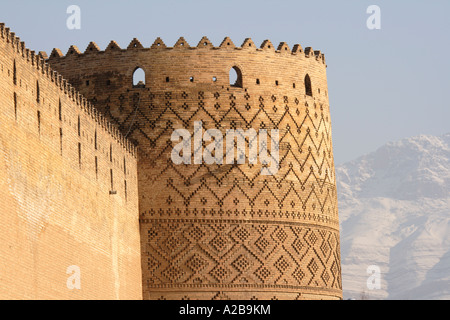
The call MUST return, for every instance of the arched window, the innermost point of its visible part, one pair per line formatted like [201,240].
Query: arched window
[139,78]
[308,86]
[236,77]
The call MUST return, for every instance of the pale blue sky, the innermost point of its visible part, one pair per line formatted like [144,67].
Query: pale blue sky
[383,84]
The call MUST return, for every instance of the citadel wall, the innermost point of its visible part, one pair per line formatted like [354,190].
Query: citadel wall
[224,231]
[68,188]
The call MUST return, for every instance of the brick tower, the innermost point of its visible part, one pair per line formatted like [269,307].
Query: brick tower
[224,231]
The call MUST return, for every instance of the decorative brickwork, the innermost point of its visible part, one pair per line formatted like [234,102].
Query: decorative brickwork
[224,231]
[72,189]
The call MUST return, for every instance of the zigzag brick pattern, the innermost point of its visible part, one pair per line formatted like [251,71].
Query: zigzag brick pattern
[224,231]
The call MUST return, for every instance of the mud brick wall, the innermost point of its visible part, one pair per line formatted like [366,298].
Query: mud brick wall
[68,188]
[224,231]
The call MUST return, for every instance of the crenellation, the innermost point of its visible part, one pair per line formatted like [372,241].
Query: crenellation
[7,30]
[11,37]
[158,44]
[92,48]
[181,43]
[248,44]
[135,44]
[227,43]
[39,61]
[56,53]
[297,49]
[41,54]
[113,46]
[309,52]
[73,51]
[204,43]
[267,45]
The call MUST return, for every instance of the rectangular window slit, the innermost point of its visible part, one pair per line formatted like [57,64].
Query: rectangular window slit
[15,105]
[79,154]
[60,111]
[112,180]
[61,140]
[96,167]
[39,121]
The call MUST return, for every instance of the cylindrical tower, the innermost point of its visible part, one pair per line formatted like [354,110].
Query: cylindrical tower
[224,230]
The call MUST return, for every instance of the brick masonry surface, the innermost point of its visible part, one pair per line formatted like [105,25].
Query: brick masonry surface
[60,160]
[224,231]
[204,231]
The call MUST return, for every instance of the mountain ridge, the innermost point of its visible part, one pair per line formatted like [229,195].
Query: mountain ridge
[394,212]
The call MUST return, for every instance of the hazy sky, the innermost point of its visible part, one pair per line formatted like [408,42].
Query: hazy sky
[383,84]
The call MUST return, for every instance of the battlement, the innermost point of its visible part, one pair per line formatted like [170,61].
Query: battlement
[204,44]
[38,61]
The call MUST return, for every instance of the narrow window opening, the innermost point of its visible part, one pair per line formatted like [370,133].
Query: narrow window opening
[79,126]
[79,154]
[96,167]
[214,79]
[15,105]
[235,77]
[276,83]
[139,78]
[167,79]
[39,121]
[38,92]
[108,82]
[293,85]
[126,191]
[61,140]
[60,111]
[87,83]
[95,140]
[110,153]
[308,86]
[258,82]
[14,73]
[125,166]
[112,180]
[191,79]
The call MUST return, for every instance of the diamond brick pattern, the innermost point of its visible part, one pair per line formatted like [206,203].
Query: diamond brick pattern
[236,233]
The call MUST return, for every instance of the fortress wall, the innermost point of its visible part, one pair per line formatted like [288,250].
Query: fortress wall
[224,231]
[55,183]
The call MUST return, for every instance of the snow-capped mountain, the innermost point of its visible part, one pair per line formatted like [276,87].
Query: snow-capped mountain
[394,207]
